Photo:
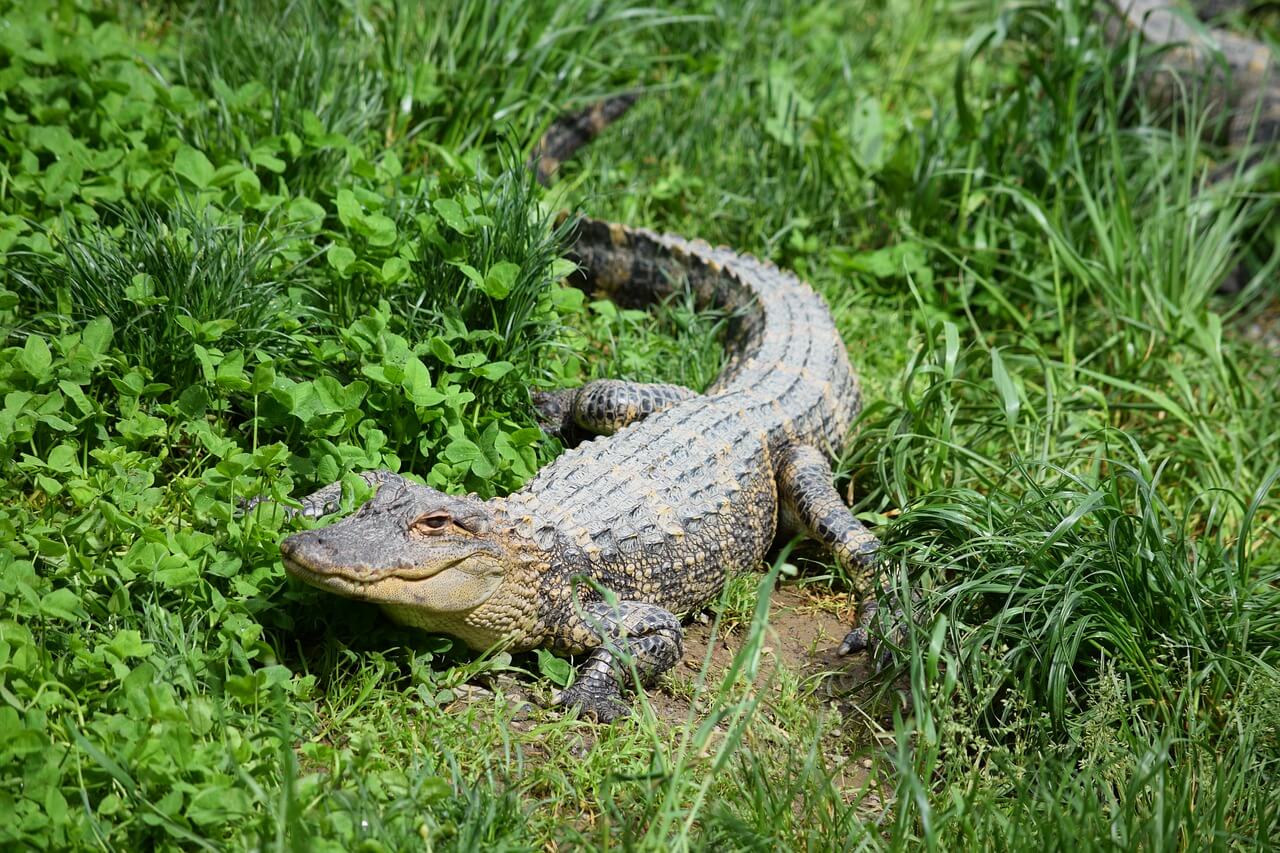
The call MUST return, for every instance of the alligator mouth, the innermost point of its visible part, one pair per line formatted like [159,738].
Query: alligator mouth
[359,584]
[350,588]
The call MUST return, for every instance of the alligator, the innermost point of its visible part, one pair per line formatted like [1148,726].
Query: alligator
[606,549]
[1238,85]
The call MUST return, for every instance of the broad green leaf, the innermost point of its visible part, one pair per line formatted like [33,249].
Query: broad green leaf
[500,279]
[265,159]
[417,384]
[494,370]
[471,273]
[463,449]
[176,572]
[394,270]
[524,437]
[350,211]
[264,376]
[36,358]
[97,335]
[380,230]
[55,805]
[63,458]
[63,604]
[77,396]
[248,187]
[305,210]
[194,401]
[127,643]
[562,268]
[192,164]
[451,212]
[554,669]
[340,258]
[441,350]
[217,805]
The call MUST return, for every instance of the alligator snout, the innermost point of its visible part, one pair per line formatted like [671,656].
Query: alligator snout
[309,549]
[298,542]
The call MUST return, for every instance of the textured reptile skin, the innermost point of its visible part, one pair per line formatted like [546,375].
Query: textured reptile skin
[569,133]
[684,493]
[608,546]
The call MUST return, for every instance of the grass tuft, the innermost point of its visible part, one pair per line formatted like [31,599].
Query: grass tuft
[300,69]
[168,280]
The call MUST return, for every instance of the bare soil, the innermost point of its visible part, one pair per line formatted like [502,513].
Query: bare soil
[802,635]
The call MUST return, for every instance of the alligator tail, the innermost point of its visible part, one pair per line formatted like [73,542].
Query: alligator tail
[570,132]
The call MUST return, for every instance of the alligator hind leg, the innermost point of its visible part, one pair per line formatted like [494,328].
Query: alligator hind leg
[604,406]
[644,634]
[808,498]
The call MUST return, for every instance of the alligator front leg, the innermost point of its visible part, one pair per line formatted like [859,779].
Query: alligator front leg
[604,406]
[805,489]
[644,635]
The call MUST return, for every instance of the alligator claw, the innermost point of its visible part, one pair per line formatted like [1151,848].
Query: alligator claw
[856,640]
[875,634]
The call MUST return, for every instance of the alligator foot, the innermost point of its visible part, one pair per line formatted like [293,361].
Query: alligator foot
[806,494]
[594,700]
[878,634]
[604,406]
[634,636]
[554,410]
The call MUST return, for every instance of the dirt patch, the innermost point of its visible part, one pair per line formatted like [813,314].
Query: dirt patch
[799,676]
[804,630]
[805,627]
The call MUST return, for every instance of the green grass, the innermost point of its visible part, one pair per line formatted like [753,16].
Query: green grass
[251,248]
[163,278]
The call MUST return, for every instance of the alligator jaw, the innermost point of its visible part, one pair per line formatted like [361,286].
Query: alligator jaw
[355,583]
[335,583]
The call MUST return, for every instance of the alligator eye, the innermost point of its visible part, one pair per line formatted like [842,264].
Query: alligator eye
[433,522]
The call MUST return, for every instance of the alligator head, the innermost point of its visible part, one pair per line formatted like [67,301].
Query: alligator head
[419,552]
